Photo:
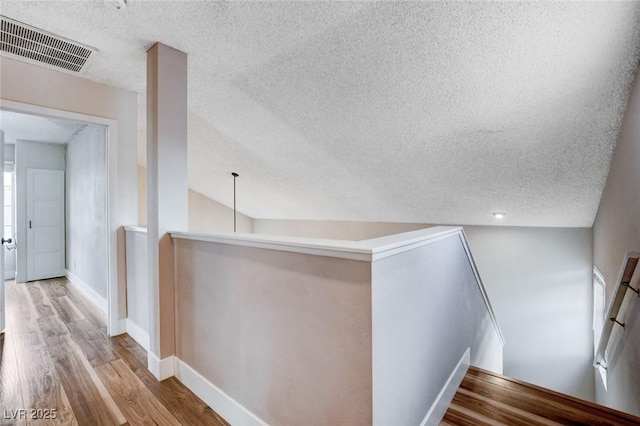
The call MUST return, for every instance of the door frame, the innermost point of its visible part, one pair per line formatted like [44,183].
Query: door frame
[11,169]
[114,295]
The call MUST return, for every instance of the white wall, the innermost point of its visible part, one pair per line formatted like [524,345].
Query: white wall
[33,85]
[539,281]
[427,311]
[30,155]
[616,230]
[138,299]
[9,152]
[86,208]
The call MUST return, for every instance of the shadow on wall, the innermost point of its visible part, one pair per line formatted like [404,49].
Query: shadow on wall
[205,214]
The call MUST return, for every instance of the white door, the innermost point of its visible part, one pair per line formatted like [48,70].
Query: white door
[2,221]
[45,224]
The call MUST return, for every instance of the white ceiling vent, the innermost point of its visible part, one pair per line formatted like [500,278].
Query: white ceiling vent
[26,43]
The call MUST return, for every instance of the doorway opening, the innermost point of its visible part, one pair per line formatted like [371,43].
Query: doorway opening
[59,202]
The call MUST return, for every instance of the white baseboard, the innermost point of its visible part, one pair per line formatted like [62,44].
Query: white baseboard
[138,334]
[161,369]
[444,398]
[118,327]
[230,409]
[89,293]
[9,274]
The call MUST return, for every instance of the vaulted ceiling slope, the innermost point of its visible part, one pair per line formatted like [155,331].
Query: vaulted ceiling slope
[438,112]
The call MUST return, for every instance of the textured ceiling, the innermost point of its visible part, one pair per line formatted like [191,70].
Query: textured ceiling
[18,126]
[438,112]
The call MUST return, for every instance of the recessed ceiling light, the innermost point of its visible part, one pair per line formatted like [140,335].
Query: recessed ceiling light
[499,215]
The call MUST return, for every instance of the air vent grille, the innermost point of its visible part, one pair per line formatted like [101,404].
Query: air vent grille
[34,45]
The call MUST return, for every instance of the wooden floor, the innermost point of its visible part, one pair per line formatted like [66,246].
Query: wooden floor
[57,361]
[485,398]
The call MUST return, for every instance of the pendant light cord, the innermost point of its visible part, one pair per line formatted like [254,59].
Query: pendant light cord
[235,175]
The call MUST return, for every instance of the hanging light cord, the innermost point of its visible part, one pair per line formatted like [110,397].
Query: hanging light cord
[235,175]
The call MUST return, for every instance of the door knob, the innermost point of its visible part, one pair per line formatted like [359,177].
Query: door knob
[6,241]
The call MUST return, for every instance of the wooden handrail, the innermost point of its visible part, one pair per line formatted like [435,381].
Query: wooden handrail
[626,276]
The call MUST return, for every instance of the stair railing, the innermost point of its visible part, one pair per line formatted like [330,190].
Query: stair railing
[626,276]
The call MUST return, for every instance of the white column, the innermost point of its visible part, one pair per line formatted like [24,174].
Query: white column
[166,193]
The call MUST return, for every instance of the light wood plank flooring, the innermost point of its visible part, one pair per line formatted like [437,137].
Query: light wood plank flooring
[57,361]
[486,398]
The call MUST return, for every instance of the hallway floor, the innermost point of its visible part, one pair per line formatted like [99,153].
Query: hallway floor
[57,362]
